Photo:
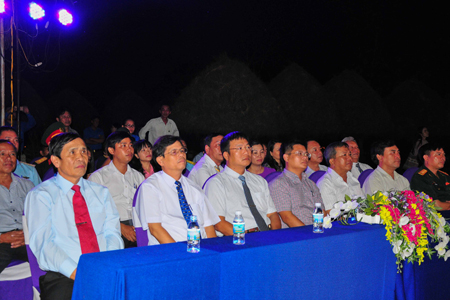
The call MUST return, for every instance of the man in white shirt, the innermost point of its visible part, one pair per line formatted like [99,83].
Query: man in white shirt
[166,200]
[209,164]
[384,178]
[121,180]
[338,181]
[159,126]
[316,158]
[237,189]
[358,167]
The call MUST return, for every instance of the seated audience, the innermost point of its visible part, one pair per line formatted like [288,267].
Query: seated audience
[68,216]
[237,189]
[13,190]
[384,178]
[430,179]
[210,163]
[142,160]
[315,159]
[256,166]
[121,180]
[166,200]
[293,193]
[274,159]
[358,167]
[338,181]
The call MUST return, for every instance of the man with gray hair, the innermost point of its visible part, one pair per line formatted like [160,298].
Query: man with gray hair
[338,181]
[358,167]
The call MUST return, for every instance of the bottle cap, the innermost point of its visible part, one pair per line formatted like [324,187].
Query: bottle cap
[318,205]
[193,218]
[238,213]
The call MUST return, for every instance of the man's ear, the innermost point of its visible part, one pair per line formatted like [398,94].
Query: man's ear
[111,150]
[226,155]
[331,161]
[380,158]
[55,161]
[57,119]
[160,160]
[285,157]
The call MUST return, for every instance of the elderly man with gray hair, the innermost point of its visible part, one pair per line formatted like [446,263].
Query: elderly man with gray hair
[358,167]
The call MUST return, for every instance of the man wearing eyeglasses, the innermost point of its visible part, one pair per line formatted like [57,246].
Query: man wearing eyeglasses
[121,180]
[316,157]
[358,167]
[166,200]
[237,189]
[209,164]
[293,193]
[338,181]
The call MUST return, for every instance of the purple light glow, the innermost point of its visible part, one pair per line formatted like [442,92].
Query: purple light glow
[65,17]
[36,11]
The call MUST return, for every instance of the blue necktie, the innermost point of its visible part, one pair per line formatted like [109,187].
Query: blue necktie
[185,209]
[359,168]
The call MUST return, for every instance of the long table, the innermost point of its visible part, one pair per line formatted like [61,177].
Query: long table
[348,262]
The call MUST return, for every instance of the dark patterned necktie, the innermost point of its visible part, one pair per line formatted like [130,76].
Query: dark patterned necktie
[185,209]
[359,168]
[259,220]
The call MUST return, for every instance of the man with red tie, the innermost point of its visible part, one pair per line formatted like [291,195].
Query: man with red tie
[68,216]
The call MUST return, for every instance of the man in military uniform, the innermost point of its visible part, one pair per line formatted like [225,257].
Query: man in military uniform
[44,164]
[430,179]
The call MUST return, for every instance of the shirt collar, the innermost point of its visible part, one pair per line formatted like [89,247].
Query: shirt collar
[384,173]
[233,173]
[113,167]
[292,176]
[169,180]
[65,185]
[209,161]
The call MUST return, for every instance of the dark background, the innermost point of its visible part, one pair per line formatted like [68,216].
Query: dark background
[322,69]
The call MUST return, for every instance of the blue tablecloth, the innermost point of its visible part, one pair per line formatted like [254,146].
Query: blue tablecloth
[353,262]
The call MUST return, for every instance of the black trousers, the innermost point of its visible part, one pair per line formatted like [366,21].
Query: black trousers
[7,254]
[126,242]
[55,286]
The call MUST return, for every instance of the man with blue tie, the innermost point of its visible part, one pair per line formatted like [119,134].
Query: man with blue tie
[68,216]
[166,200]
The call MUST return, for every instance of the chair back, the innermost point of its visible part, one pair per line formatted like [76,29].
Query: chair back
[36,272]
[317,175]
[272,176]
[363,176]
[203,187]
[141,234]
[410,172]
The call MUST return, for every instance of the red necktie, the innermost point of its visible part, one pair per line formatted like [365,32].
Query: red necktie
[86,233]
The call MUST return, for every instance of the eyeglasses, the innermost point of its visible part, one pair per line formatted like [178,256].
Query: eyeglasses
[174,152]
[298,153]
[123,145]
[246,148]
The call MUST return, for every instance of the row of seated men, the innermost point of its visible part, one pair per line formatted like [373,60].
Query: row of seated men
[68,216]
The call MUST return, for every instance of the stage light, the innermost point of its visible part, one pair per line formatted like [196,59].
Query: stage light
[36,11]
[2,6]
[65,17]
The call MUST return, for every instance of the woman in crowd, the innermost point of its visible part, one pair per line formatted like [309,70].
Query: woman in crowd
[273,159]
[422,134]
[256,166]
[143,157]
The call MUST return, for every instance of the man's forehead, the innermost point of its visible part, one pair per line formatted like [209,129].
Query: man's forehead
[8,133]
[217,138]
[438,150]
[177,144]
[66,113]
[390,149]
[125,141]
[240,141]
[6,146]
[298,147]
[76,143]
[352,143]
[342,149]
[312,144]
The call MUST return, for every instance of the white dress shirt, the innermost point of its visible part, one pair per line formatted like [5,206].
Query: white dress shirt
[121,186]
[309,171]
[157,128]
[356,172]
[379,180]
[157,202]
[203,169]
[333,188]
[226,193]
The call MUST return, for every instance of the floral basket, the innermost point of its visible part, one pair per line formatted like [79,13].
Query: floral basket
[411,220]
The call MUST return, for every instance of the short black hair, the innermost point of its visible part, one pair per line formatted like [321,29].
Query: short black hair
[8,142]
[162,143]
[141,144]
[427,149]
[330,151]
[160,108]
[58,142]
[62,110]
[115,138]
[378,149]
[225,142]
[126,119]
[208,139]
[7,128]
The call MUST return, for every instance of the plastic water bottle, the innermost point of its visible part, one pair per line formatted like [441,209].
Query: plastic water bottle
[318,219]
[238,229]
[193,236]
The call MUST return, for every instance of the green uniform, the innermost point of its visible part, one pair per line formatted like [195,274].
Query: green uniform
[437,187]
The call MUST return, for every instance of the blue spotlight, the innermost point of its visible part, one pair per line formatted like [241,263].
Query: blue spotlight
[65,17]
[36,11]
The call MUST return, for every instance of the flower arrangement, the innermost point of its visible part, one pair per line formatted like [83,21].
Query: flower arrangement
[412,223]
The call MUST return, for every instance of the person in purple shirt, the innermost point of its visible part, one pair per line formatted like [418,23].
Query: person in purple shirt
[256,167]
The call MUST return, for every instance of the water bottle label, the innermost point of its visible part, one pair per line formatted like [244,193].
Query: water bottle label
[193,234]
[318,218]
[238,228]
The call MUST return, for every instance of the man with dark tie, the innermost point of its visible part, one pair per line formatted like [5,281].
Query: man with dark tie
[166,200]
[237,189]
[68,216]
[209,164]
[358,167]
